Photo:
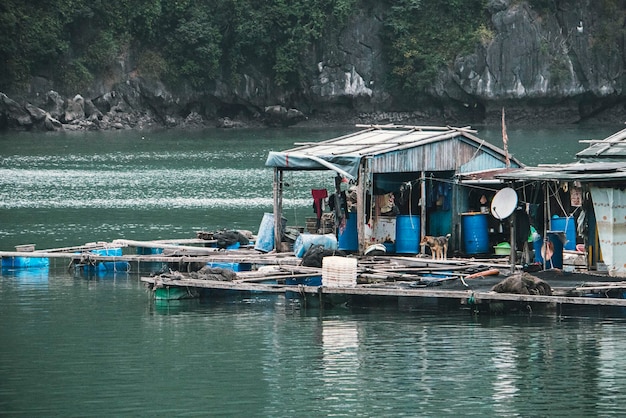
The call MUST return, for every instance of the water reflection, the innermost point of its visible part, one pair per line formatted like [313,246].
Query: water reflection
[340,343]
[611,371]
[28,277]
[506,374]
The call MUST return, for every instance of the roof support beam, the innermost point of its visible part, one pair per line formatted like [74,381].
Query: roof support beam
[278,207]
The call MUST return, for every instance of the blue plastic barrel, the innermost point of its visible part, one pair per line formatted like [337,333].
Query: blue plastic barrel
[555,237]
[348,237]
[407,234]
[568,225]
[475,233]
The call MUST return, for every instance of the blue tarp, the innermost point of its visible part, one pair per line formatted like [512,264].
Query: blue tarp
[346,165]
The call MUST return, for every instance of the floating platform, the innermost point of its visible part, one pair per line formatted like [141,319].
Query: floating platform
[353,280]
[145,256]
[464,297]
[452,283]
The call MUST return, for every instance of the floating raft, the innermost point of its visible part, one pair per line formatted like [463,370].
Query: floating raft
[464,296]
[180,251]
[411,277]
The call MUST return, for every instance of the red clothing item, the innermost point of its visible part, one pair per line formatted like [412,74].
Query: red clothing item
[318,195]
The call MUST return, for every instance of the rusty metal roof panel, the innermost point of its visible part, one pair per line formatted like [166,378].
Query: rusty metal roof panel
[584,172]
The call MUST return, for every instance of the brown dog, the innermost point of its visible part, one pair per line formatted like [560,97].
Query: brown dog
[438,246]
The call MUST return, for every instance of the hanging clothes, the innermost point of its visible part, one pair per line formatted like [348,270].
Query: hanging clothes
[318,198]
[343,205]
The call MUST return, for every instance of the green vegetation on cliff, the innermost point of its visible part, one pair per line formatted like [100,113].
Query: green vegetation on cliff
[198,41]
[424,36]
[74,42]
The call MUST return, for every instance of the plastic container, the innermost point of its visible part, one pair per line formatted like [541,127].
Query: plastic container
[348,238]
[504,248]
[568,225]
[306,241]
[339,271]
[475,233]
[407,234]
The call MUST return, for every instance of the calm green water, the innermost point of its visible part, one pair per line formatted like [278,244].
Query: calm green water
[93,346]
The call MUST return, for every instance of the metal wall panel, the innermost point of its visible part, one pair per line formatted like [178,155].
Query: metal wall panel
[449,155]
[609,205]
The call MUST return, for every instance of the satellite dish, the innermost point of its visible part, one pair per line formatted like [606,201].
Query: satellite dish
[504,203]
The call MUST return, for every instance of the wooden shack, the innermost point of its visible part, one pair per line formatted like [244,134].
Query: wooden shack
[590,195]
[405,182]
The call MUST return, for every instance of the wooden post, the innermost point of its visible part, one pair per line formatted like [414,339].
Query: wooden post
[367,186]
[337,200]
[512,239]
[278,207]
[360,207]
[546,225]
[422,201]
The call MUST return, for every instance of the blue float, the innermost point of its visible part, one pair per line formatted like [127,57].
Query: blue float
[25,262]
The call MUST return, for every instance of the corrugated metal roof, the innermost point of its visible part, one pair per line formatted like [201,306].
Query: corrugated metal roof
[382,139]
[585,172]
[612,147]
[394,148]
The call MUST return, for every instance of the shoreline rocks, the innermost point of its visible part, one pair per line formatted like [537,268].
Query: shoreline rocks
[112,111]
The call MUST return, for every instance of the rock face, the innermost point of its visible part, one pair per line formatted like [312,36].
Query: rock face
[539,63]
[547,67]
[279,116]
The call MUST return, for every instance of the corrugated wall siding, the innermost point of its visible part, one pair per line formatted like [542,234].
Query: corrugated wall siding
[450,155]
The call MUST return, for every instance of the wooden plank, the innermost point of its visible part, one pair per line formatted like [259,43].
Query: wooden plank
[225,285]
[428,261]
[278,277]
[152,244]
[155,258]
[86,247]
